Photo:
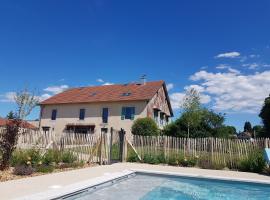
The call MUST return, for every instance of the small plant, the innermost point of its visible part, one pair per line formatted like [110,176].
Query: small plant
[172,160]
[188,161]
[23,170]
[150,159]
[45,168]
[254,163]
[68,157]
[51,156]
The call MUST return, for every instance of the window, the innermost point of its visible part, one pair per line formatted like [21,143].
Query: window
[156,115]
[54,114]
[82,114]
[128,113]
[161,119]
[105,115]
[126,94]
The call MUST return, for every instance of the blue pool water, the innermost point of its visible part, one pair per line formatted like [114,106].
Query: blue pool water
[153,187]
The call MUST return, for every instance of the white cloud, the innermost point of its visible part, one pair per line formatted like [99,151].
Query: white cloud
[44,96]
[7,97]
[100,80]
[56,89]
[108,83]
[254,55]
[169,86]
[177,97]
[230,69]
[233,54]
[233,92]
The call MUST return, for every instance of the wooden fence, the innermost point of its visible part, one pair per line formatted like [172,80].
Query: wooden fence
[227,152]
[93,148]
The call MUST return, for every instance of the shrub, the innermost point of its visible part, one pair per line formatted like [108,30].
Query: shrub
[23,170]
[24,157]
[254,163]
[51,156]
[172,160]
[45,168]
[150,159]
[68,157]
[145,126]
[188,161]
[131,155]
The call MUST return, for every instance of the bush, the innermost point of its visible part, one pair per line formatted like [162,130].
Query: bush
[68,157]
[188,161]
[45,168]
[254,163]
[51,156]
[150,159]
[26,157]
[23,170]
[145,126]
[131,155]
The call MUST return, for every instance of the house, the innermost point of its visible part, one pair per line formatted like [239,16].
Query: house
[24,124]
[98,108]
[244,135]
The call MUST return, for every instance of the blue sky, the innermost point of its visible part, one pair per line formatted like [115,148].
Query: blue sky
[221,48]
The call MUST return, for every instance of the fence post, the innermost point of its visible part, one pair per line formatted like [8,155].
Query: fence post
[110,147]
[123,145]
[100,149]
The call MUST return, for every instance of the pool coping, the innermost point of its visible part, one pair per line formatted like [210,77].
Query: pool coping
[53,194]
[73,188]
[211,177]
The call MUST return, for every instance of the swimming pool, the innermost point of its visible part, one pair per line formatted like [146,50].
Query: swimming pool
[145,186]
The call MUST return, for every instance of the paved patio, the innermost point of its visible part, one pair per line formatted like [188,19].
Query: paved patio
[56,181]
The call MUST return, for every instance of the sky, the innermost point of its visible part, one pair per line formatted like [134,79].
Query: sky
[220,48]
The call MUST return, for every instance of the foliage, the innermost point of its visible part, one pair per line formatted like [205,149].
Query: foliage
[131,155]
[265,116]
[247,127]
[254,163]
[191,109]
[25,101]
[51,156]
[259,131]
[8,142]
[68,157]
[26,157]
[45,168]
[23,170]
[11,115]
[211,125]
[145,126]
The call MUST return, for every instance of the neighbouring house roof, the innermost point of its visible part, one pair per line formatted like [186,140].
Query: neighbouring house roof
[4,122]
[109,93]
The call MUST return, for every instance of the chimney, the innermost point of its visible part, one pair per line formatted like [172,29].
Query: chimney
[143,79]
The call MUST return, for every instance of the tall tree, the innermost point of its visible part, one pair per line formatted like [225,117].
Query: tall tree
[265,116]
[192,110]
[248,127]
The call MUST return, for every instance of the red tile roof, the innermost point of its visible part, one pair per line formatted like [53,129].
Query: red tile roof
[107,93]
[4,122]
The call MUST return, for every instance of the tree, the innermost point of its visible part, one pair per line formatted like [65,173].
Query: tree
[247,127]
[10,115]
[192,110]
[145,126]
[265,116]
[258,131]
[25,102]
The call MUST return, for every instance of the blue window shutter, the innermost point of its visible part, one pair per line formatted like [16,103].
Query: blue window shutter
[132,113]
[123,113]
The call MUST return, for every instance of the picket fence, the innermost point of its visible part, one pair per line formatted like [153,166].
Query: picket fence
[221,151]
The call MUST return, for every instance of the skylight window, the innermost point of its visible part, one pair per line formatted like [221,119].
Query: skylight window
[93,94]
[126,94]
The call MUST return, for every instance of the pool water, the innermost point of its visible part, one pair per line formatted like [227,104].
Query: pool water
[154,187]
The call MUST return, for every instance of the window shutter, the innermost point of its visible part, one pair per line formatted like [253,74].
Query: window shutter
[123,113]
[132,113]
